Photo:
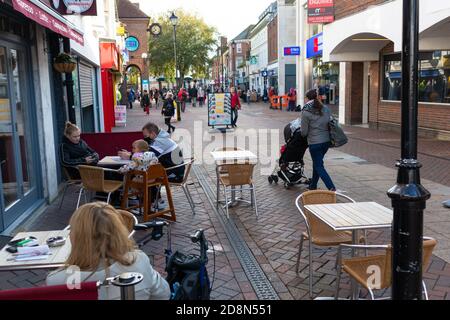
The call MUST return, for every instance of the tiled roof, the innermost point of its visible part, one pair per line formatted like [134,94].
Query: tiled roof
[129,10]
[244,34]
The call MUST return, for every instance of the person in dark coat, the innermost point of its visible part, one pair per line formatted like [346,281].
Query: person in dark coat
[75,151]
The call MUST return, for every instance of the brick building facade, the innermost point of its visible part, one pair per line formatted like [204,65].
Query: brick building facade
[366,40]
[136,23]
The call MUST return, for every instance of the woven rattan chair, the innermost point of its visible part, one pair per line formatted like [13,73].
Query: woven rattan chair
[93,179]
[70,181]
[362,269]
[183,184]
[317,232]
[237,175]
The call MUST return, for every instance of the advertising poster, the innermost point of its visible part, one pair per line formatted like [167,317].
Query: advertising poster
[121,115]
[219,109]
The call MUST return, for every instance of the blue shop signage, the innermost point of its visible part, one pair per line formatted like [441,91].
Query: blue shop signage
[132,43]
[292,51]
[314,46]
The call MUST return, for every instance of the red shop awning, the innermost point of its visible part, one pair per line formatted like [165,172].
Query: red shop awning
[109,56]
[53,22]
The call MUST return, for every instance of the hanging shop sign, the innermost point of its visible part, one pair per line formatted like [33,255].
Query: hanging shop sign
[219,109]
[50,21]
[292,51]
[254,60]
[132,44]
[320,11]
[71,7]
[314,46]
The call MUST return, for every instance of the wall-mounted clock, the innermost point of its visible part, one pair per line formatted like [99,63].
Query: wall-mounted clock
[155,29]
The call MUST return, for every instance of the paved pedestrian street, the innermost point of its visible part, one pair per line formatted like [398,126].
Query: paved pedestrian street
[255,258]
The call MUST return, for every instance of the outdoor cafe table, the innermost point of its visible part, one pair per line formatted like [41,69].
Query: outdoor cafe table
[235,155]
[353,217]
[112,162]
[56,260]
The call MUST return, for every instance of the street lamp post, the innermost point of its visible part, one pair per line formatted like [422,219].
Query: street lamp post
[174,21]
[408,195]
[233,62]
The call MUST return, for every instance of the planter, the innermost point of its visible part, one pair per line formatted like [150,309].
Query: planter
[64,67]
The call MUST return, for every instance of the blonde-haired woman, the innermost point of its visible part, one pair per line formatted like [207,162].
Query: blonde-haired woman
[75,151]
[101,249]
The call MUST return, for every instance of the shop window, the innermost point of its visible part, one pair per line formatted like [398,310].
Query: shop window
[434,77]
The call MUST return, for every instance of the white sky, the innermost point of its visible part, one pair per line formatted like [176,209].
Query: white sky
[230,17]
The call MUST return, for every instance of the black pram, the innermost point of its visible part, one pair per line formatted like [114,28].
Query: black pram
[291,165]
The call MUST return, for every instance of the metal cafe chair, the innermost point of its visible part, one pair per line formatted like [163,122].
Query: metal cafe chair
[357,267]
[237,175]
[317,232]
[183,184]
[70,181]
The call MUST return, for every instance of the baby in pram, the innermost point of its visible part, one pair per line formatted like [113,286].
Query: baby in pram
[290,166]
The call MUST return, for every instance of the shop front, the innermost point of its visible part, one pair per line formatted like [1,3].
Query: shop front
[325,76]
[28,172]
[110,61]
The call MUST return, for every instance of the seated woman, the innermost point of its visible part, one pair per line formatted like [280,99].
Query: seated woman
[75,152]
[101,249]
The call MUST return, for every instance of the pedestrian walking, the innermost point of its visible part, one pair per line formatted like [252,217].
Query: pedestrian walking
[315,120]
[130,98]
[292,99]
[182,98]
[201,96]
[145,102]
[168,111]
[193,93]
[249,96]
[235,106]
[156,97]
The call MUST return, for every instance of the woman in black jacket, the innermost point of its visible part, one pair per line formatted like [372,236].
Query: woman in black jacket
[75,152]
[168,111]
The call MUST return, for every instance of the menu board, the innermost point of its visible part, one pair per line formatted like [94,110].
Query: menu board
[219,109]
[121,115]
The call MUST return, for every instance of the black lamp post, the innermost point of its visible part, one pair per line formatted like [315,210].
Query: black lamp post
[233,62]
[408,195]
[174,21]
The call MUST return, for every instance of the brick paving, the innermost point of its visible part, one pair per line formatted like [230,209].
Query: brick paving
[364,170]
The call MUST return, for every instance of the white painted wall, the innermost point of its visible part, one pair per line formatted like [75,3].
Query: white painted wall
[287,37]
[342,86]
[384,20]
[260,49]
[43,99]
[365,111]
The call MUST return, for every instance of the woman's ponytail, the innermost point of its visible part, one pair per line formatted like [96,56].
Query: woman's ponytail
[312,95]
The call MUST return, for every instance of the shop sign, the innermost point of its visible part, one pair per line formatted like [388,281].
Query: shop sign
[71,7]
[264,73]
[292,51]
[132,44]
[254,60]
[145,85]
[320,11]
[314,46]
[33,12]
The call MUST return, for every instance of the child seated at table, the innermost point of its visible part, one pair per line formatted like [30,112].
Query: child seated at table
[141,159]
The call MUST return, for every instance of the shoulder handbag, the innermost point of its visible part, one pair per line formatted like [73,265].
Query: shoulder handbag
[337,134]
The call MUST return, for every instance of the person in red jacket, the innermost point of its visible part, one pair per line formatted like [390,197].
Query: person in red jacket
[235,106]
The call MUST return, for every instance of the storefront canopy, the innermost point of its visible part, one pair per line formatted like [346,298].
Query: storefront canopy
[48,18]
